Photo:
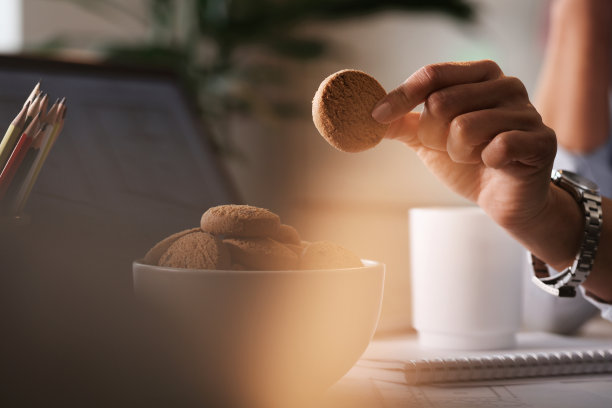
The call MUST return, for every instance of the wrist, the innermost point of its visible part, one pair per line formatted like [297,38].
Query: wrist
[554,234]
[568,215]
[585,193]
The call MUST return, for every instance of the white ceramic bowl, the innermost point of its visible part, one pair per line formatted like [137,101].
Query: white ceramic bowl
[265,338]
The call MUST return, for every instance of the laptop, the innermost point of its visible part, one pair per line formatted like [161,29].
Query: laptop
[132,160]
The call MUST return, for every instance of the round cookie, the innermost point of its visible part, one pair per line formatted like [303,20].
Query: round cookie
[239,221]
[153,255]
[295,248]
[261,254]
[342,110]
[299,248]
[198,250]
[287,235]
[327,255]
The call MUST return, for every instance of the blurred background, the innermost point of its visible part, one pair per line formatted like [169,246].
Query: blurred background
[251,68]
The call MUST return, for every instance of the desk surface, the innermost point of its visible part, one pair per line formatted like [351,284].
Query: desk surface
[363,387]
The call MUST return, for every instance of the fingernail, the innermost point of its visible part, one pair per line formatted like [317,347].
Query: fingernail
[382,112]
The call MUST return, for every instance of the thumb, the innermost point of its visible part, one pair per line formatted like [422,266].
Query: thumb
[405,129]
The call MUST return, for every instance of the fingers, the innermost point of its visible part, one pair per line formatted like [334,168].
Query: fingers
[528,148]
[495,137]
[469,133]
[428,80]
[472,114]
[445,105]
[405,129]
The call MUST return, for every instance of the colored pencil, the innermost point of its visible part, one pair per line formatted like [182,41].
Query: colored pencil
[34,109]
[17,156]
[25,166]
[47,120]
[37,151]
[44,101]
[34,92]
[26,145]
[12,135]
[26,189]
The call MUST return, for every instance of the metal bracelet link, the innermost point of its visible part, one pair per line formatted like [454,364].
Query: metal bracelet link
[564,284]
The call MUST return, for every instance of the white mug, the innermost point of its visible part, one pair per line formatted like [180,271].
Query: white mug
[466,279]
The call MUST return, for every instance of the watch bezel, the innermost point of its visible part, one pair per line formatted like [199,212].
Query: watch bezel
[576,180]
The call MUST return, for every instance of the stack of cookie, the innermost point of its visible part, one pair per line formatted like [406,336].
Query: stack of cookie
[243,237]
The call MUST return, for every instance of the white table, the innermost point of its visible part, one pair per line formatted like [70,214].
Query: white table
[365,386]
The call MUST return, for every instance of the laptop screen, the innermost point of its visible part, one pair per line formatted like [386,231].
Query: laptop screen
[131,166]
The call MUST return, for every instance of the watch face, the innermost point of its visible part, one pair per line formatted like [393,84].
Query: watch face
[577,180]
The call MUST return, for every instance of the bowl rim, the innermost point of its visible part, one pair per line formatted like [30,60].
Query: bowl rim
[368,265]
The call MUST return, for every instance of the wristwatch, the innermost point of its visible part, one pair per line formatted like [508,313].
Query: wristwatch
[586,194]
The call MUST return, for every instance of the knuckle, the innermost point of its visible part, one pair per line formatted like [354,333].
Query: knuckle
[503,142]
[492,67]
[529,119]
[516,86]
[534,117]
[438,103]
[400,96]
[460,127]
[549,142]
[431,73]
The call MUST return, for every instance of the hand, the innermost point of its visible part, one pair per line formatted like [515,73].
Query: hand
[479,134]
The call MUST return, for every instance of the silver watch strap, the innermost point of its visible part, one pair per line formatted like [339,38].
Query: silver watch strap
[564,284]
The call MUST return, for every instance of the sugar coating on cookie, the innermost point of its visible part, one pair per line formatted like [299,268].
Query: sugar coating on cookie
[197,250]
[261,254]
[342,110]
[239,221]
[153,255]
[328,255]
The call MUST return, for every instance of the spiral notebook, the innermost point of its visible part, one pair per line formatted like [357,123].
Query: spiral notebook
[538,355]
[506,366]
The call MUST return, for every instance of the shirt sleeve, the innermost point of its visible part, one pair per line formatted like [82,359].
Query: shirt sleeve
[596,165]
[606,308]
